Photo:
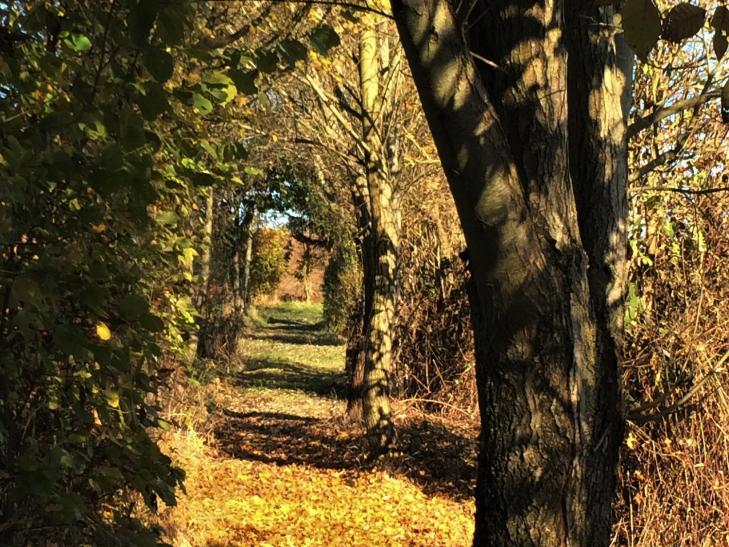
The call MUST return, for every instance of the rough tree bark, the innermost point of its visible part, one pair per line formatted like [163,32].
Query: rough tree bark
[380,270]
[373,161]
[357,340]
[523,100]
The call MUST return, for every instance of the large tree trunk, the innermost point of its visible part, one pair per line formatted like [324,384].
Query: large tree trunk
[385,241]
[600,82]
[544,327]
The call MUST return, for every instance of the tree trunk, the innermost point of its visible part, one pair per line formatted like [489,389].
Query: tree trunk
[509,136]
[236,277]
[354,364]
[600,80]
[384,239]
[358,336]
[203,297]
[245,282]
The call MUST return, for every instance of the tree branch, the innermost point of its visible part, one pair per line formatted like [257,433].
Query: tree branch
[334,3]
[638,416]
[646,121]
[216,43]
[303,238]
[700,192]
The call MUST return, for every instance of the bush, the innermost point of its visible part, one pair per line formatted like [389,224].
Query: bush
[434,355]
[342,286]
[269,260]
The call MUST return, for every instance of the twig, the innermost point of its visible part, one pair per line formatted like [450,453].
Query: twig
[434,401]
[638,417]
[335,3]
[646,121]
[681,190]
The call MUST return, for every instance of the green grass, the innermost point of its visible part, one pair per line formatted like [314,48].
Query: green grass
[287,349]
[301,312]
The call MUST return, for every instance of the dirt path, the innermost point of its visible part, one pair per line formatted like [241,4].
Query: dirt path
[281,466]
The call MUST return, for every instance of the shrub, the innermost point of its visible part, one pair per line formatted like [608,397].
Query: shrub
[269,260]
[342,286]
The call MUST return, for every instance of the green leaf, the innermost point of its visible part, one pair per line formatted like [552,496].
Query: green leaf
[292,50]
[152,323]
[112,397]
[720,45]
[141,20]
[159,63]
[324,38]
[720,19]
[131,130]
[167,218]
[245,82]
[200,178]
[221,86]
[133,306]
[171,23]
[250,170]
[725,102]
[682,22]
[182,94]
[266,60]
[217,78]
[209,148]
[69,339]
[112,157]
[201,104]
[78,42]
[642,26]
[153,101]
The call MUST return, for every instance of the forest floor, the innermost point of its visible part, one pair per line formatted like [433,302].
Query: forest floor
[275,461]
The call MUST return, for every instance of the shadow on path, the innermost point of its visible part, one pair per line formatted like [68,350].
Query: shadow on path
[439,459]
[290,331]
[278,374]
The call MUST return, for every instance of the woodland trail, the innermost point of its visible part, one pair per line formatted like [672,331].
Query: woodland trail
[280,465]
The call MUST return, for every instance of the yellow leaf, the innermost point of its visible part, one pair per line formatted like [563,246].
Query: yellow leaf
[97,420]
[102,331]
[631,441]
[112,397]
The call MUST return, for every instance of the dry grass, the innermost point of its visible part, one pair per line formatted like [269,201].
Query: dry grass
[674,475]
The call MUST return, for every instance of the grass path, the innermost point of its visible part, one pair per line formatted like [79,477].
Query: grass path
[281,465]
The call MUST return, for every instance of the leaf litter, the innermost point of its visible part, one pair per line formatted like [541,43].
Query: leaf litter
[282,466]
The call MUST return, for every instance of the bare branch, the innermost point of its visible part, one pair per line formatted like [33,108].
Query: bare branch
[217,43]
[638,417]
[679,106]
[691,191]
[334,3]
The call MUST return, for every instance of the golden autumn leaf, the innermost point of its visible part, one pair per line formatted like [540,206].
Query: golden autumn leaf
[631,441]
[97,419]
[103,331]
